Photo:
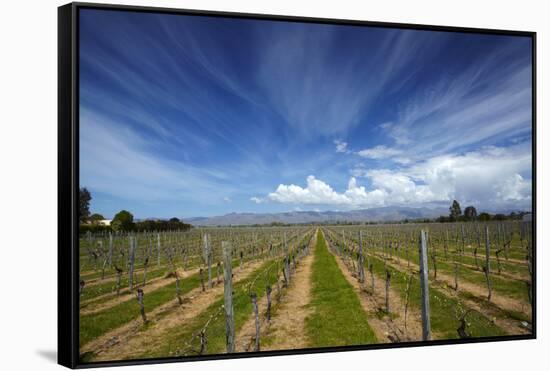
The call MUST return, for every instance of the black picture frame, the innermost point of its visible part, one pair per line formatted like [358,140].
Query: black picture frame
[68,181]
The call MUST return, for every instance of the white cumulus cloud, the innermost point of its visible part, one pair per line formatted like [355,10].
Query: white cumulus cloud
[319,192]
[491,178]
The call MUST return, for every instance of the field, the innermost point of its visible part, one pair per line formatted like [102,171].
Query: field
[246,289]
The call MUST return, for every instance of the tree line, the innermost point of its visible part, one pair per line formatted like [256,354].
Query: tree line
[470,214]
[123,221]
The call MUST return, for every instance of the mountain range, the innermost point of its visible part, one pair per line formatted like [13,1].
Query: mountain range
[381,214]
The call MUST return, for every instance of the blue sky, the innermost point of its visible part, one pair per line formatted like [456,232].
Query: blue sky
[198,116]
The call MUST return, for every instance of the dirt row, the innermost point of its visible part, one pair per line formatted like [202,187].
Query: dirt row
[127,341]
[286,330]
[154,284]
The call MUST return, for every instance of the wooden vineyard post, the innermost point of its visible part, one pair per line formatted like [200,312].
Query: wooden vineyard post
[118,279]
[141,305]
[241,262]
[110,249]
[462,236]
[434,260]
[178,290]
[371,271]
[254,299]
[105,260]
[131,257]
[487,266]
[344,244]
[268,295]
[360,259]
[145,265]
[286,271]
[208,257]
[388,279]
[158,249]
[81,285]
[228,298]
[424,286]
[202,278]
[507,246]
[477,247]
[218,267]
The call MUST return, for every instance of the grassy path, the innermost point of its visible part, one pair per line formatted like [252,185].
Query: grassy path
[389,327]
[338,318]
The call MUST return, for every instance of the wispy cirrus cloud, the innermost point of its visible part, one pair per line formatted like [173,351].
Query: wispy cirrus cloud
[341,146]
[382,152]
[257,200]
[197,111]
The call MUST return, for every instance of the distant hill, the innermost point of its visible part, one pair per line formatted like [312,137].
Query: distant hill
[381,214]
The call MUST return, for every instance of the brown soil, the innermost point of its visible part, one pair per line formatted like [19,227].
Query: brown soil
[128,342]
[515,261]
[152,285]
[286,329]
[244,339]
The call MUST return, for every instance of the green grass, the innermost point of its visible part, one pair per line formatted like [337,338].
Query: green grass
[338,318]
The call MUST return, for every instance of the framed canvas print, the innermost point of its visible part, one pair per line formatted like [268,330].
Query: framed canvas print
[235,185]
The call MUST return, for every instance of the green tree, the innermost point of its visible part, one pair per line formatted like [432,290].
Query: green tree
[470,213]
[454,211]
[484,217]
[123,221]
[84,205]
[96,217]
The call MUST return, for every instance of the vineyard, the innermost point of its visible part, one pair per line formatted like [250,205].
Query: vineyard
[225,290]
